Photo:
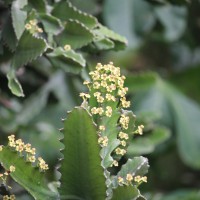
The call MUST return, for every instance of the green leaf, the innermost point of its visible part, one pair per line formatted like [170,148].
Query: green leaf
[173,18]
[18,16]
[26,175]
[140,81]
[126,193]
[183,195]
[186,115]
[176,2]
[14,84]
[82,174]
[8,34]
[69,61]
[177,112]
[120,41]
[148,142]
[51,24]
[28,49]
[39,5]
[103,44]
[74,34]
[136,166]
[65,11]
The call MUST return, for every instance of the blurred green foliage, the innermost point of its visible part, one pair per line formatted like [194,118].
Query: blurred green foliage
[161,61]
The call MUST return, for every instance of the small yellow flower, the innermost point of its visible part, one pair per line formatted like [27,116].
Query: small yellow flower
[39,30]
[67,47]
[104,84]
[28,148]
[102,128]
[86,82]
[129,177]
[124,121]
[123,135]
[33,22]
[100,99]
[12,168]
[108,111]
[11,137]
[97,94]
[1,147]
[120,180]
[12,197]
[115,163]
[123,143]
[28,26]
[140,129]
[96,85]
[84,95]
[125,103]
[103,141]
[20,148]
[32,159]
[33,151]
[6,197]
[110,97]
[42,164]
[120,151]
[140,179]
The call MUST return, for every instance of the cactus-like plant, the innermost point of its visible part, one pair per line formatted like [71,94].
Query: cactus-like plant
[95,137]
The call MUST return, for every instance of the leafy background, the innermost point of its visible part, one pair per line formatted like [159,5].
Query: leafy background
[162,66]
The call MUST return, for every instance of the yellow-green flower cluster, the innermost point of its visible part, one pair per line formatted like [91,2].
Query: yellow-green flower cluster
[107,87]
[139,130]
[21,147]
[129,179]
[33,27]
[108,84]
[7,197]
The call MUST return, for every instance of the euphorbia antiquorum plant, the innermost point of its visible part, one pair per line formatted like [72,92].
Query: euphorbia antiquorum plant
[95,136]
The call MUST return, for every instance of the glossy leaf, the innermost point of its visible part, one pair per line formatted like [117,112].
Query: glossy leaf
[14,84]
[177,112]
[173,18]
[65,11]
[120,41]
[29,48]
[39,5]
[103,44]
[51,24]
[140,81]
[82,173]
[148,142]
[26,175]
[74,34]
[69,61]
[18,16]
[186,115]
[8,34]
[126,193]
[136,166]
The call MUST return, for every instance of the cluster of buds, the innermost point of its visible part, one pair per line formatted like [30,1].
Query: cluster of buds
[11,197]
[33,27]
[22,148]
[129,179]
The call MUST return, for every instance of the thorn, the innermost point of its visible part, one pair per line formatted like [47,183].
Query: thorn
[61,130]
